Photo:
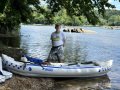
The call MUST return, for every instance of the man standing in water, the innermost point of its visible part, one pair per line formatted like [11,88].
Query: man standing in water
[58,42]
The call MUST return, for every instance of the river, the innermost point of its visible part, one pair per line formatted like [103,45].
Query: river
[100,46]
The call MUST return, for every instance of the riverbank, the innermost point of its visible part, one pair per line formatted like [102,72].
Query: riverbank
[27,83]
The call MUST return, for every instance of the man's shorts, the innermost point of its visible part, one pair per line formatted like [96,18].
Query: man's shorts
[56,54]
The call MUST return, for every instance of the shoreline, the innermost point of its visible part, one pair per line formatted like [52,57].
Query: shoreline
[112,27]
[27,83]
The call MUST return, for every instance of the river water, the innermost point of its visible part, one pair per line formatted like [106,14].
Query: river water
[100,46]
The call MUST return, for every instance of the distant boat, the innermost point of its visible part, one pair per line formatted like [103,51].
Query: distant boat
[56,69]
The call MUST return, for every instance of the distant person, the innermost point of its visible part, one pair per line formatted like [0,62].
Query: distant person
[58,43]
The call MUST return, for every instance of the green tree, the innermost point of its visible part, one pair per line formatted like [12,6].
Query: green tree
[62,17]
[38,18]
[14,12]
[81,7]
[103,21]
[114,20]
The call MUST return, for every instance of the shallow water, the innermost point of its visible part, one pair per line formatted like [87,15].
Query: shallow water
[83,84]
[102,46]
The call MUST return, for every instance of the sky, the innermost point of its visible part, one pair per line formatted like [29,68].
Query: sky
[116,3]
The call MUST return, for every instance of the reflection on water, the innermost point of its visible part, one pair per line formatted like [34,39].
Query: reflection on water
[74,51]
[100,83]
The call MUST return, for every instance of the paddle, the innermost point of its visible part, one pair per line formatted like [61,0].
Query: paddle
[73,64]
[90,62]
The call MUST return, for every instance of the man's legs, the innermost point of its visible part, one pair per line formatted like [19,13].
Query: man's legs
[60,54]
[56,54]
[50,55]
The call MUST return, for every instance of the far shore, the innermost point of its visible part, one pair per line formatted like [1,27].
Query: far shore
[112,27]
[64,26]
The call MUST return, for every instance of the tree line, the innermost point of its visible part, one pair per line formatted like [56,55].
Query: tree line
[111,18]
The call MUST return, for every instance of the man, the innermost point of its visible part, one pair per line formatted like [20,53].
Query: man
[58,42]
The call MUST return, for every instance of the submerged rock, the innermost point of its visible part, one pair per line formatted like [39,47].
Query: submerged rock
[78,30]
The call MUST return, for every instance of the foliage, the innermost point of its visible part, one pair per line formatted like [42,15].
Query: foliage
[112,17]
[81,7]
[13,12]
[71,12]
[60,17]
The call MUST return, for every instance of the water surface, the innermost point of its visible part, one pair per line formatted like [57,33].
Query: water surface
[101,46]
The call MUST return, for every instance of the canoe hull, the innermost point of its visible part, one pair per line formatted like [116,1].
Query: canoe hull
[4,73]
[54,75]
[33,70]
